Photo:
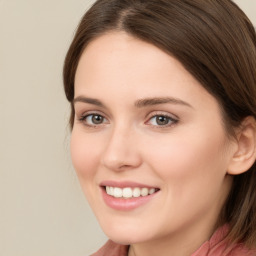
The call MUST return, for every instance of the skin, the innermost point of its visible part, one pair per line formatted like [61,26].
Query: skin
[187,159]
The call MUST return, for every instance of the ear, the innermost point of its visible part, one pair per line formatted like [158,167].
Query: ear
[245,154]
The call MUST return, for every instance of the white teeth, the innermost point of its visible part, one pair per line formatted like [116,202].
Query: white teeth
[152,191]
[129,192]
[111,190]
[144,191]
[136,192]
[118,192]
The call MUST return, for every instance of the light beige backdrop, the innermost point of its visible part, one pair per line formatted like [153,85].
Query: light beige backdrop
[42,209]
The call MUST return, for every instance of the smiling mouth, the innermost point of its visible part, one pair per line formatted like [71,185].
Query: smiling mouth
[128,192]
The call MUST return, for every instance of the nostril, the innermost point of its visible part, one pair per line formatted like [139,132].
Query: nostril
[121,153]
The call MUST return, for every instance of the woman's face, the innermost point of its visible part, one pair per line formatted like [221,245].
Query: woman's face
[148,142]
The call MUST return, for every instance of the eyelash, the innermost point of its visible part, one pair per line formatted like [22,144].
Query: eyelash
[171,121]
[84,117]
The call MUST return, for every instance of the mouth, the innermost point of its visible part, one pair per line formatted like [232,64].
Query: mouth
[126,196]
[128,192]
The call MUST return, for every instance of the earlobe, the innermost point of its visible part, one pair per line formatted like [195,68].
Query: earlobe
[245,154]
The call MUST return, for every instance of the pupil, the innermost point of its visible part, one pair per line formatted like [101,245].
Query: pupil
[162,120]
[97,119]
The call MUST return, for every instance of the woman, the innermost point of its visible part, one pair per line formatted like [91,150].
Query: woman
[163,107]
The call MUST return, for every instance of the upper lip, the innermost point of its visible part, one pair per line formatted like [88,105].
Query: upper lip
[125,184]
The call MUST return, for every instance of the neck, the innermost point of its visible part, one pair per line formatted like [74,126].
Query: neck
[184,243]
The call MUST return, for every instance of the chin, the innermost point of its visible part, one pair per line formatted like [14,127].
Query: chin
[126,234]
[126,239]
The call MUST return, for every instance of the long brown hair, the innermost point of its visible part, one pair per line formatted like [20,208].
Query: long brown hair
[216,43]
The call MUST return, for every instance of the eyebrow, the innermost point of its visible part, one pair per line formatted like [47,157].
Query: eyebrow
[139,103]
[88,100]
[162,100]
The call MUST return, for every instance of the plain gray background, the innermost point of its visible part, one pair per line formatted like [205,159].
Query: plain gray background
[42,209]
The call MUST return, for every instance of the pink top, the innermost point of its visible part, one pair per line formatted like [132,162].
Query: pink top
[216,246]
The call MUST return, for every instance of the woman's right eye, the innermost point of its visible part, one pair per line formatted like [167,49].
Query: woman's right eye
[93,119]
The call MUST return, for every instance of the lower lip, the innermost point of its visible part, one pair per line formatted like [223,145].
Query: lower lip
[123,204]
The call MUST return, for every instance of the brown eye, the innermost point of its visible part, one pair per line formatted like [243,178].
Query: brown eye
[93,119]
[162,120]
[97,119]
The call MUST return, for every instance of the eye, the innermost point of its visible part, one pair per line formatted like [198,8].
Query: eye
[162,120]
[93,119]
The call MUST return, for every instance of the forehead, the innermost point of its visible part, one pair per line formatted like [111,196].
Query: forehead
[118,50]
[118,54]
[117,64]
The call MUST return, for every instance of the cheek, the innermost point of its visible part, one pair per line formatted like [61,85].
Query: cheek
[193,174]
[186,159]
[84,155]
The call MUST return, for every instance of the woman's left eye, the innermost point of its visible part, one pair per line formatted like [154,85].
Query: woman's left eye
[162,120]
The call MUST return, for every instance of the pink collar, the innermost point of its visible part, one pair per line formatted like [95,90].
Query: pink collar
[216,246]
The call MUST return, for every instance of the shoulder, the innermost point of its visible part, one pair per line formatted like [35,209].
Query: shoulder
[235,250]
[218,246]
[112,249]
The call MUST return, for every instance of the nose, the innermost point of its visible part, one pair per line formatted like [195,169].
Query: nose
[121,152]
